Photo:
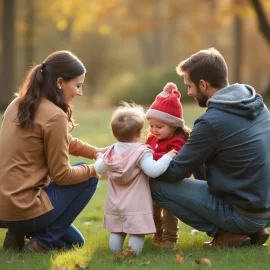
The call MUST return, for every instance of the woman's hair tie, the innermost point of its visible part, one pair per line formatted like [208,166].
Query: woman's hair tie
[42,66]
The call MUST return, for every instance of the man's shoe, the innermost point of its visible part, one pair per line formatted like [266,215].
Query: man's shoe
[259,238]
[14,241]
[227,239]
[35,247]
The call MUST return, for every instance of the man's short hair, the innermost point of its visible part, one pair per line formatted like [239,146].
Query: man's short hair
[208,65]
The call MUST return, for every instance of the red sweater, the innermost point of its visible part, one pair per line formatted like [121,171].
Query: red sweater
[162,147]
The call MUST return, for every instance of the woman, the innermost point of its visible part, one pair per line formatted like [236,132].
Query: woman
[34,148]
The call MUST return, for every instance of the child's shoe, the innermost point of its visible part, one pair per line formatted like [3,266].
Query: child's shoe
[157,239]
[168,243]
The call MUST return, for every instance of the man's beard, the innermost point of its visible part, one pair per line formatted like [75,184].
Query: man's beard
[201,98]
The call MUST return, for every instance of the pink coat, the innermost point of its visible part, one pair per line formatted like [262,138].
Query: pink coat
[129,202]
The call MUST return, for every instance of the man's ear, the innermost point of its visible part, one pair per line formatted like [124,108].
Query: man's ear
[203,85]
[59,82]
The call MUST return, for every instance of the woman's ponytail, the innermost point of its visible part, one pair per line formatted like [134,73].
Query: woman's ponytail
[30,96]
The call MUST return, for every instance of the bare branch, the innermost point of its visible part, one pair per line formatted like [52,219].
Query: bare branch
[262,20]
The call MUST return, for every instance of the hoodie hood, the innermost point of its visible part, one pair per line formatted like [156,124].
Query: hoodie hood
[238,99]
[123,167]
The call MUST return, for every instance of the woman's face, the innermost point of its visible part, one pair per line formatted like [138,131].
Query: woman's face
[72,89]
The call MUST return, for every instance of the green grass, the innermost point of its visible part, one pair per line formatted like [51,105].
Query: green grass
[93,128]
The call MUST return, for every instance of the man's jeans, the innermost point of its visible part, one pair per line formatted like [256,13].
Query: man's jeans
[54,229]
[191,201]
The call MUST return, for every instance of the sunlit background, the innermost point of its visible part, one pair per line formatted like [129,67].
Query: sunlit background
[131,47]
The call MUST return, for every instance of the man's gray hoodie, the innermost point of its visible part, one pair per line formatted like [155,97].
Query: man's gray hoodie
[232,140]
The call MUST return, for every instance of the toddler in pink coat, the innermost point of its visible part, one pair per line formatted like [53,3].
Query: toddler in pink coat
[129,164]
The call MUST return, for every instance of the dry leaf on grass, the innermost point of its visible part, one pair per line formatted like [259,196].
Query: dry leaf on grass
[203,261]
[119,256]
[159,244]
[145,264]
[81,266]
[131,262]
[179,258]
[128,251]
[99,208]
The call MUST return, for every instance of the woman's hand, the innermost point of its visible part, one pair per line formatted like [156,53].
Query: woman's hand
[99,152]
[99,155]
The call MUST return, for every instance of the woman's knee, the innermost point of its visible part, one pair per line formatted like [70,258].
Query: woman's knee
[92,184]
[74,236]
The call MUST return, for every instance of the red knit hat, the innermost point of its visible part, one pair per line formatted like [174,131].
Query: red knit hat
[167,107]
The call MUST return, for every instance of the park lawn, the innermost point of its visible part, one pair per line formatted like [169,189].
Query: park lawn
[94,128]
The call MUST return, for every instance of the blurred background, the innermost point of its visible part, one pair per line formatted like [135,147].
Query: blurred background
[131,47]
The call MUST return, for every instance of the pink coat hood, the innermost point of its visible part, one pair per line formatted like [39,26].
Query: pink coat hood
[124,167]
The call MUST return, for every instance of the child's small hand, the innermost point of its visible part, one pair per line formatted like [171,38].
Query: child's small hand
[172,153]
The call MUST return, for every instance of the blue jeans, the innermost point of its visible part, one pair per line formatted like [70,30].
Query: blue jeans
[54,229]
[191,202]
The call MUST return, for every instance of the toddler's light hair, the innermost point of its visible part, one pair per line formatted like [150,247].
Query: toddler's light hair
[127,121]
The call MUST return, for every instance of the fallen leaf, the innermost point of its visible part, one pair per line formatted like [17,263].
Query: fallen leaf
[81,266]
[179,258]
[206,261]
[60,268]
[203,261]
[130,251]
[159,244]
[145,264]
[131,262]
[99,208]
[119,256]
[124,253]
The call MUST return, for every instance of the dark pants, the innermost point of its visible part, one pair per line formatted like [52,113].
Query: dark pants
[54,229]
[191,202]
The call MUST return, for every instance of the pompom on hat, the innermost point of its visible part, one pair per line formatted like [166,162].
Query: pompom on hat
[167,107]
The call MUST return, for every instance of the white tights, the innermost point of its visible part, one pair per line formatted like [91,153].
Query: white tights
[136,242]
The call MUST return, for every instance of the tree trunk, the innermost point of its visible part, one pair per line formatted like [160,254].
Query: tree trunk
[151,44]
[7,82]
[157,36]
[211,35]
[29,35]
[264,28]
[237,48]
[262,19]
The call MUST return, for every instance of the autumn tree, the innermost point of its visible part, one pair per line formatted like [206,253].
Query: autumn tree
[262,19]
[7,80]
[263,26]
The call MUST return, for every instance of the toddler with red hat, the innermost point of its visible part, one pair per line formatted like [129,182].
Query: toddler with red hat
[167,131]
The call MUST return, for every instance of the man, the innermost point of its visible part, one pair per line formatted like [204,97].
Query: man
[231,142]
